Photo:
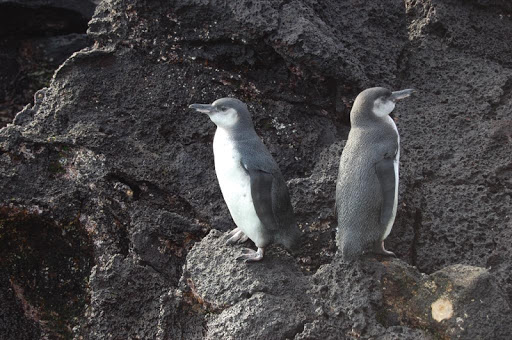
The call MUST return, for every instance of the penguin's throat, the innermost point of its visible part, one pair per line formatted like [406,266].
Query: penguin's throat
[237,133]
[382,108]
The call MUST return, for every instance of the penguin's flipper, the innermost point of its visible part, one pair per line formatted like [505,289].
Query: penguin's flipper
[261,191]
[386,174]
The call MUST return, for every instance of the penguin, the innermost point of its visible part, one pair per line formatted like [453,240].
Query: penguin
[367,184]
[250,181]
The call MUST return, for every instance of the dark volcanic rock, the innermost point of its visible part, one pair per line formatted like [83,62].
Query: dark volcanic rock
[130,294]
[14,323]
[452,303]
[35,38]
[81,8]
[262,301]
[46,266]
[349,302]
[364,299]
[110,146]
[456,189]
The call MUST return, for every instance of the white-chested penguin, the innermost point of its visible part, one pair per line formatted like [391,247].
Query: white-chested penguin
[367,185]
[250,180]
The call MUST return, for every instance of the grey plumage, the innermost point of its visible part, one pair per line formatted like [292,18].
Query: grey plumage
[367,185]
[251,183]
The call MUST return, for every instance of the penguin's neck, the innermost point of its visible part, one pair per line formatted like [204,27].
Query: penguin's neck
[235,135]
[391,122]
[367,123]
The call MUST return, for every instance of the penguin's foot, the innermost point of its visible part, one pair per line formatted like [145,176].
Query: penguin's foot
[378,248]
[250,255]
[236,235]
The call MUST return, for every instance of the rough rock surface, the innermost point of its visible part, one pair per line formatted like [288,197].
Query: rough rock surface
[235,294]
[364,299]
[109,154]
[21,327]
[36,36]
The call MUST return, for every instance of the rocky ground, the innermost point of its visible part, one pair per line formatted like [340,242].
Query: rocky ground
[111,219]
[36,36]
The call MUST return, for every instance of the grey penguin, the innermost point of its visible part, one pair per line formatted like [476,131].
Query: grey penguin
[250,181]
[367,184]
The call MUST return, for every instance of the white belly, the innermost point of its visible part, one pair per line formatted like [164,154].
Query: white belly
[396,163]
[235,185]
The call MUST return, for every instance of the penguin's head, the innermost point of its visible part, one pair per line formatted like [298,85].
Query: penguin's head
[377,102]
[227,113]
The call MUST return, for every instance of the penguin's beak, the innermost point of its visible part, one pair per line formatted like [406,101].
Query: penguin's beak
[398,95]
[203,108]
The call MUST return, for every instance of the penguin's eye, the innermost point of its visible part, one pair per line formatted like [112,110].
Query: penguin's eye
[223,108]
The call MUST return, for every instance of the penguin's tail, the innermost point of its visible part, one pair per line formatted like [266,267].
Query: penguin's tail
[292,239]
[351,251]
